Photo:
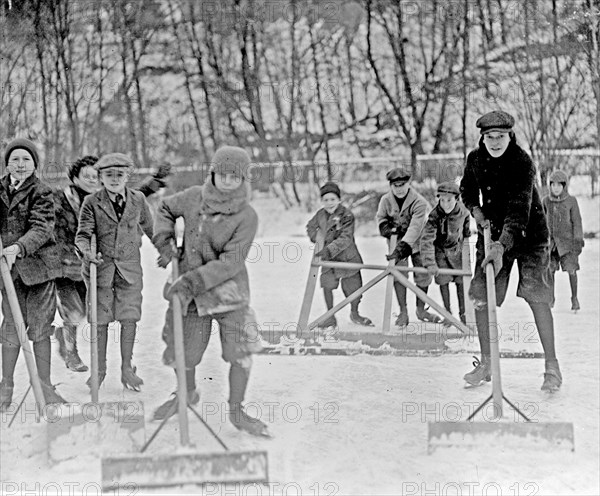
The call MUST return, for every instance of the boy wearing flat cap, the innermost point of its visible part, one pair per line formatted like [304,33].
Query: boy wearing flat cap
[504,176]
[403,211]
[115,214]
[336,223]
[26,227]
[446,230]
[213,285]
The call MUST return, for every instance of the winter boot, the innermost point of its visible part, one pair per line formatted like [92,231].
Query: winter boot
[51,395]
[359,319]
[129,378]
[171,407]
[552,377]
[426,316]
[244,422]
[402,319]
[67,348]
[575,304]
[482,371]
[6,393]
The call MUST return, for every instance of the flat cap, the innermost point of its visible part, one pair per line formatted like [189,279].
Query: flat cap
[448,187]
[113,160]
[497,120]
[398,174]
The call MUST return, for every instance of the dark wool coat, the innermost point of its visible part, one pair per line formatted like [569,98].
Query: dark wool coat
[338,231]
[564,221]
[511,201]
[28,221]
[119,241]
[216,238]
[444,234]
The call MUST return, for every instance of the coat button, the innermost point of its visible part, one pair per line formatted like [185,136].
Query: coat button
[489,201]
[489,188]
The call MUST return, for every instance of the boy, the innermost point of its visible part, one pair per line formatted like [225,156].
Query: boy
[566,232]
[220,226]
[115,214]
[403,211]
[83,180]
[26,227]
[336,223]
[442,242]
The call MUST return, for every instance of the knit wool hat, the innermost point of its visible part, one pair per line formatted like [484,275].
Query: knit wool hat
[398,174]
[330,188]
[113,160]
[448,187]
[496,120]
[23,144]
[559,176]
[231,160]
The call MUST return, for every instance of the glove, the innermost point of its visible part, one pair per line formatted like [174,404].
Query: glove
[494,256]
[578,245]
[89,258]
[480,218]
[166,254]
[10,254]
[183,287]
[324,253]
[433,270]
[401,251]
[388,228]
[163,171]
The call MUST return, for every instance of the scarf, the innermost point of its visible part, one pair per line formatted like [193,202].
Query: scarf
[215,201]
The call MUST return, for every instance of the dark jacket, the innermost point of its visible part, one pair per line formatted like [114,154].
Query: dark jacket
[511,201]
[219,231]
[28,221]
[338,231]
[445,233]
[564,221]
[118,241]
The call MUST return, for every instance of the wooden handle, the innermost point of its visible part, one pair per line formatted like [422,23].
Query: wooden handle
[93,318]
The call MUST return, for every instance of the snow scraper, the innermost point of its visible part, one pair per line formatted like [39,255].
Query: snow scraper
[520,431]
[100,429]
[186,465]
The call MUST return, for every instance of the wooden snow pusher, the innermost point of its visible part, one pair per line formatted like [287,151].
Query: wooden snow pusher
[98,428]
[520,433]
[186,466]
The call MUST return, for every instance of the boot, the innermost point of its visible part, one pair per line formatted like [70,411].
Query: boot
[170,407]
[67,348]
[6,393]
[102,344]
[402,319]
[482,371]
[51,395]
[244,422]
[426,316]
[129,378]
[359,319]
[575,304]
[330,322]
[552,377]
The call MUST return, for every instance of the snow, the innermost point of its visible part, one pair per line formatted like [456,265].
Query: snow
[343,424]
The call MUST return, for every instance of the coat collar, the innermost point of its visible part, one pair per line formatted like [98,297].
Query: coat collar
[408,199]
[20,193]
[106,205]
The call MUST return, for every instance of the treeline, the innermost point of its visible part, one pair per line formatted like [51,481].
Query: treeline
[296,79]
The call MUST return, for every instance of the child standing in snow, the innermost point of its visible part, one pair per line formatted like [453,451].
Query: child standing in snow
[336,223]
[442,242]
[115,215]
[566,231]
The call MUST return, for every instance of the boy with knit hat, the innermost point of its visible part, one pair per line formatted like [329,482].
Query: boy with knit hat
[566,231]
[26,227]
[336,224]
[403,212]
[213,285]
[446,230]
[115,215]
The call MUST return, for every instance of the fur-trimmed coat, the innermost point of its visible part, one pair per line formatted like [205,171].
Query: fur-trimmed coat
[338,231]
[511,201]
[28,221]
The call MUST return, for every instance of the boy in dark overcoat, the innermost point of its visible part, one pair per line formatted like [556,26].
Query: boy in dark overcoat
[26,227]
[504,175]
[118,216]
[83,180]
[446,230]
[336,223]
[403,212]
[213,285]
[566,232]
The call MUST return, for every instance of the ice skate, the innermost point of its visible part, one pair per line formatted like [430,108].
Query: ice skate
[575,304]
[426,316]
[244,422]
[360,320]
[552,378]
[129,378]
[73,362]
[51,395]
[402,319]
[481,373]
[6,394]
[170,407]
[101,377]
[330,323]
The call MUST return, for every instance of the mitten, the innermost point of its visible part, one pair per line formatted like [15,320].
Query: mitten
[401,251]
[494,256]
[433,270]
[480,218]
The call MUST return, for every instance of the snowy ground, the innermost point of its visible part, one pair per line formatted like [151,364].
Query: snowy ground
[347,424]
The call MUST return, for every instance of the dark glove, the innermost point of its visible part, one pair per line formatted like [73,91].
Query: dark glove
[433,270]
[480,218]
[387,229]
[578,245]
[401,251]
[494,256]
[166,254]
[324,253]
[163,171]
[183,286]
